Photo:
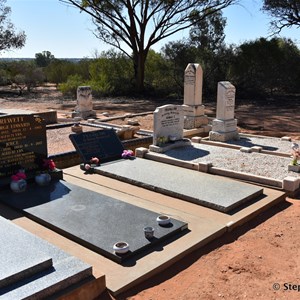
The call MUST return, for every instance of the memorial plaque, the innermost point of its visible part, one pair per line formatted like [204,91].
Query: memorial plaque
[23,143]
[168,122]
[103,144]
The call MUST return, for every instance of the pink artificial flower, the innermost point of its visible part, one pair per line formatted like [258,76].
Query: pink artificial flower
[87,166]
[94,160]
[127,153]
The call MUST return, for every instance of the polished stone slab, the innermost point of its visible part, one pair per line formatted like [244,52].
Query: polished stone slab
[18,260]
[94,220]
[208,190]
[64,271]
[103,144]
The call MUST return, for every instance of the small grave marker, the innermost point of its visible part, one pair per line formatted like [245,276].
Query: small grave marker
[84,108]
[103,144]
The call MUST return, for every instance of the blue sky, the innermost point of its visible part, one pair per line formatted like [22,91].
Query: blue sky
[65,32]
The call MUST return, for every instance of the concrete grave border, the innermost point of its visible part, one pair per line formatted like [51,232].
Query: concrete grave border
[289,184]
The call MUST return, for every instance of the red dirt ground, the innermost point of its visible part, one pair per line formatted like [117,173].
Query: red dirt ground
[260,260]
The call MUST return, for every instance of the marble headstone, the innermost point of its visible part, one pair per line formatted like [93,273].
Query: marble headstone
[193,79]
[193,108]
[168,127]
[224,127]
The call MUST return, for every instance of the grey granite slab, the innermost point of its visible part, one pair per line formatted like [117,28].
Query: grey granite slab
[66,269]
[208,190]
[92,219]
[18,260]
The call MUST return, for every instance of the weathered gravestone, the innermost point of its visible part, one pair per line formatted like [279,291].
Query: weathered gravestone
[224,127]
[193,108]
[23,144]
[103,144]
[84,108]
[168,128]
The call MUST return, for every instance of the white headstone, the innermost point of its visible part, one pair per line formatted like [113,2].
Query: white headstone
[193,80]
[224,127]
[84,107]
[225,101]
[84,99]
[168,123]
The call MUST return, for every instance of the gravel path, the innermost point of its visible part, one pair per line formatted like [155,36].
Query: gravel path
[270,166]
[267,143]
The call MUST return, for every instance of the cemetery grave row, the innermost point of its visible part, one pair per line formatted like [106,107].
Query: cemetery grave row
[105,224]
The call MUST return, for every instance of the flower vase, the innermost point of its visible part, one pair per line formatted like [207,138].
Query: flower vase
[43,179]
[18,186]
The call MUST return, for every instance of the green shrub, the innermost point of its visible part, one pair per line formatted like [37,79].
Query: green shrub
[70,86]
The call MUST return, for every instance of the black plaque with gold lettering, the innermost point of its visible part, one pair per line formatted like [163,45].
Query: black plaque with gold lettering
[23,143]
[103,144]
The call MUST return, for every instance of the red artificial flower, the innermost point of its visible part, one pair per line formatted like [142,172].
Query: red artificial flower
[18,176]
[15,178]
[49,164]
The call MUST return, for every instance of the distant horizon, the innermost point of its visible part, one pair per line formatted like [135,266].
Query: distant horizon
[67,33]
[30,58]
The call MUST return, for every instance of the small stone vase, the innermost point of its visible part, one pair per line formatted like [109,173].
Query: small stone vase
[121,247]
[18,186]
[43,179]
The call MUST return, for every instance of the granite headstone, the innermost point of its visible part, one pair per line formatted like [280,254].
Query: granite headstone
[103,144]
[23,143]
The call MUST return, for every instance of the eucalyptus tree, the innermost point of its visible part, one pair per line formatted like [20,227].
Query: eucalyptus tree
[9,38]
[134,26]
[286,13]
[44,58]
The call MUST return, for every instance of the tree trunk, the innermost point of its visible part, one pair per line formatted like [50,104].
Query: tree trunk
[139,60]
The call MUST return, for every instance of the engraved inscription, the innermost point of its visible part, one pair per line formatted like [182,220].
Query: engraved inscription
[22,143]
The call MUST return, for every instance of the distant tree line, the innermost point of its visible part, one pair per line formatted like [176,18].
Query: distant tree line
[259,69]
